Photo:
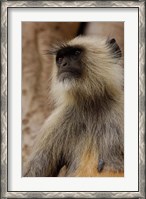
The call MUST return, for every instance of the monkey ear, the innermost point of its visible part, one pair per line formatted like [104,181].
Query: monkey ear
[115,49]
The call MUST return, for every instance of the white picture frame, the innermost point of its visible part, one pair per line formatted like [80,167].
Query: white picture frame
[13,185]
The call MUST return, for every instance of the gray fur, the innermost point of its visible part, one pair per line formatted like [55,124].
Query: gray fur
[92,122]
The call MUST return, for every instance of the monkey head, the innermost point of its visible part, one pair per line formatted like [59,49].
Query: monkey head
[86,66]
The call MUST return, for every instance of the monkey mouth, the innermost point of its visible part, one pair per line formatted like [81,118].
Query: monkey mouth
[68,74]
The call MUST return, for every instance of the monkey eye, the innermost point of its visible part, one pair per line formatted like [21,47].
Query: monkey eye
[77,52]
[59,59]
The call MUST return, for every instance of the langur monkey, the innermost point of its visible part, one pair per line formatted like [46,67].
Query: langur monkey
[85,132]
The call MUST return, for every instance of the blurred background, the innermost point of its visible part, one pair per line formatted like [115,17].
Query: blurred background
[36,67]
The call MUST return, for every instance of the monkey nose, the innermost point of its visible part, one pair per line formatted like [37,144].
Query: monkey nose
[64,63]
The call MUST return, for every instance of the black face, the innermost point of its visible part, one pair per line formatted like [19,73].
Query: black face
[68,60]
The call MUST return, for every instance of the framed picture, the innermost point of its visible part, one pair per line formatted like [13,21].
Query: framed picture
[108,36]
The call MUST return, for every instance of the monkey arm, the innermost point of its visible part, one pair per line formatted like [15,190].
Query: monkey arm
[46,158]
[111,146]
